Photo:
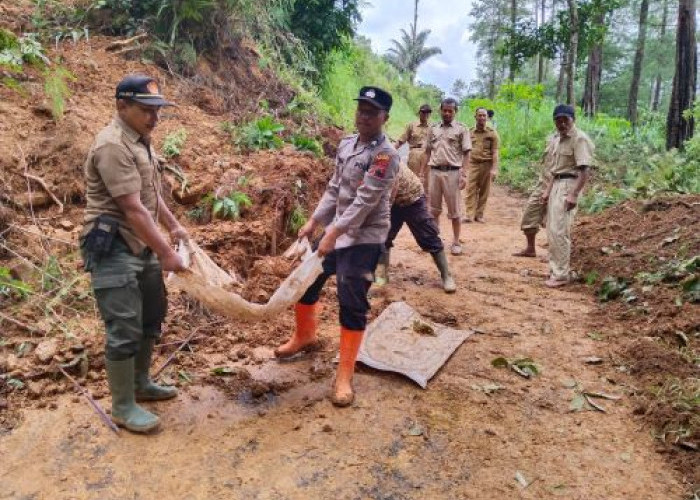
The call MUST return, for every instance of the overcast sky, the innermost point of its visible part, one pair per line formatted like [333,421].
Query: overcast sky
[448,21]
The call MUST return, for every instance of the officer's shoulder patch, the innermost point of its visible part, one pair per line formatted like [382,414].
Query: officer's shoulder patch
[379,165]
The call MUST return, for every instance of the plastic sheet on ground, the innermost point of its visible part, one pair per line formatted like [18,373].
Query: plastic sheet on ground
[401,341]
[205,281]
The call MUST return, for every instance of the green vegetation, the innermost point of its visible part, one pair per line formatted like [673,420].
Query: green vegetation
[259,134]
[304,143]
[15,52]
[229,206]
[297,219]
[12,288]
[56,89]
[173,143]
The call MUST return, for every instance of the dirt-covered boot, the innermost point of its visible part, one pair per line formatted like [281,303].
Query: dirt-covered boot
[343,392]
[381,274]
[146,390]
[125,412]
[448,282]
[304,338]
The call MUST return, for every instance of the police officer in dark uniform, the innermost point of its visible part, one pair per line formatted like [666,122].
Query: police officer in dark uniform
[124,250]
[355,212]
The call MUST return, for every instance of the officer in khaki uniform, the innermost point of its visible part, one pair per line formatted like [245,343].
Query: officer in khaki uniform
[355,213]
[573,155]
[409,207]
[416,134]
[484,166]
[447,151]
[535,212]
[125,252]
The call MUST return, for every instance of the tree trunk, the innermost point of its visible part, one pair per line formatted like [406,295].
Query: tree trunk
[513,20]
[562,76]
[573,51]
[540,57]
[678,127]
[638,61]
[657,87]
[594,71]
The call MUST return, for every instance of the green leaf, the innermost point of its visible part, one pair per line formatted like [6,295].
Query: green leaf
[500,362]
[222,370]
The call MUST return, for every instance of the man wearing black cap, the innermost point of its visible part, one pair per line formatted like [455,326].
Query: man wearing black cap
[415,134]
[573,155]
[355,213]
[124,250]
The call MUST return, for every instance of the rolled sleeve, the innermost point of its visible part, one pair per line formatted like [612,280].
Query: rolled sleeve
[583,152]
[117,170]
[378,180]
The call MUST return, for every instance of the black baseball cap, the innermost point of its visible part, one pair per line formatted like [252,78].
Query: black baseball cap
[142,89]
[564,110]
[376,97]
[425,108]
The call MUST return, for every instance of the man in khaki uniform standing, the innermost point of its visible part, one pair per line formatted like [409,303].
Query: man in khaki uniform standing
[447,155]
[125,252]
[484,166]
[415,135]
[535,213]
[573,152]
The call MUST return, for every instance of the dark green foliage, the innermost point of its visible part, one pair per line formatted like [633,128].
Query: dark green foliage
[304,143]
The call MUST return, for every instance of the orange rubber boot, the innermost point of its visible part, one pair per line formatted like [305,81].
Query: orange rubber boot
[304,338]
[350,341]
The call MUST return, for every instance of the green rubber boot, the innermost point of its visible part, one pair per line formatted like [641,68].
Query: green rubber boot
[381,274]
[146,390]
[125,412]
[448,282]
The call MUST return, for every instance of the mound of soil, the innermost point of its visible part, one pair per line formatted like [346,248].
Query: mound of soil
[655,325]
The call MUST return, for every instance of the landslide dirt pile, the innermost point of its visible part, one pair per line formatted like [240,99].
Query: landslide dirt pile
[642,259]
[48,313]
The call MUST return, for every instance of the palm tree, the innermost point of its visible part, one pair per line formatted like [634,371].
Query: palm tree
[409,53]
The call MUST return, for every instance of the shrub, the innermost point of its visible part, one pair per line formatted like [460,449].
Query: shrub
[173,143]
[229,206]
[260,134]
[297,219]
[304,143]
[56,89]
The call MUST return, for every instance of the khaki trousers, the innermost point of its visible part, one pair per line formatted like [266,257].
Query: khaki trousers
[559,222]
[478,188]
[535,211]
[445,184]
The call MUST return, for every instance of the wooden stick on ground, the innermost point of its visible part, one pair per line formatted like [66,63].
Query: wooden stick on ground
[123,43]
[100,412]
[174,353]
[42,183]
[21,325]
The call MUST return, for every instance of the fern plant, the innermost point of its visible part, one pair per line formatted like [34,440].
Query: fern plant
[304,143]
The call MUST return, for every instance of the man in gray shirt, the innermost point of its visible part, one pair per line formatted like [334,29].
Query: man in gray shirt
[355,212]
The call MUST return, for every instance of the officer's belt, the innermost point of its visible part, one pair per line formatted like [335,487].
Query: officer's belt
[445,168]
[558,177]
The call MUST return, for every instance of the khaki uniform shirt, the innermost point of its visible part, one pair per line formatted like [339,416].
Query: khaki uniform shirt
[357,199]
[569,153]
[447,144]
[484,143]
[408,187]
[119,163]
[415,135]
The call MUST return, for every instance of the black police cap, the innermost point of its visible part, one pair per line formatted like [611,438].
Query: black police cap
[142,89]
[425,108]
[564,110]
[376,97]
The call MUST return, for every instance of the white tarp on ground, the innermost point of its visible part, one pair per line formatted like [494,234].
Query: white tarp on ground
[205,281]
[401,341]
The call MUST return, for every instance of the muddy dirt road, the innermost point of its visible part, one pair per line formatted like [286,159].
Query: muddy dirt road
[466,437]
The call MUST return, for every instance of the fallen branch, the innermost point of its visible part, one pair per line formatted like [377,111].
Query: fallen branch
[100,412]
[174,353]
[123,43]
[21,325]
[167,344]
[42,183]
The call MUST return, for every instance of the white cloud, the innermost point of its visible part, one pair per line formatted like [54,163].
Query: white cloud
[448,22]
